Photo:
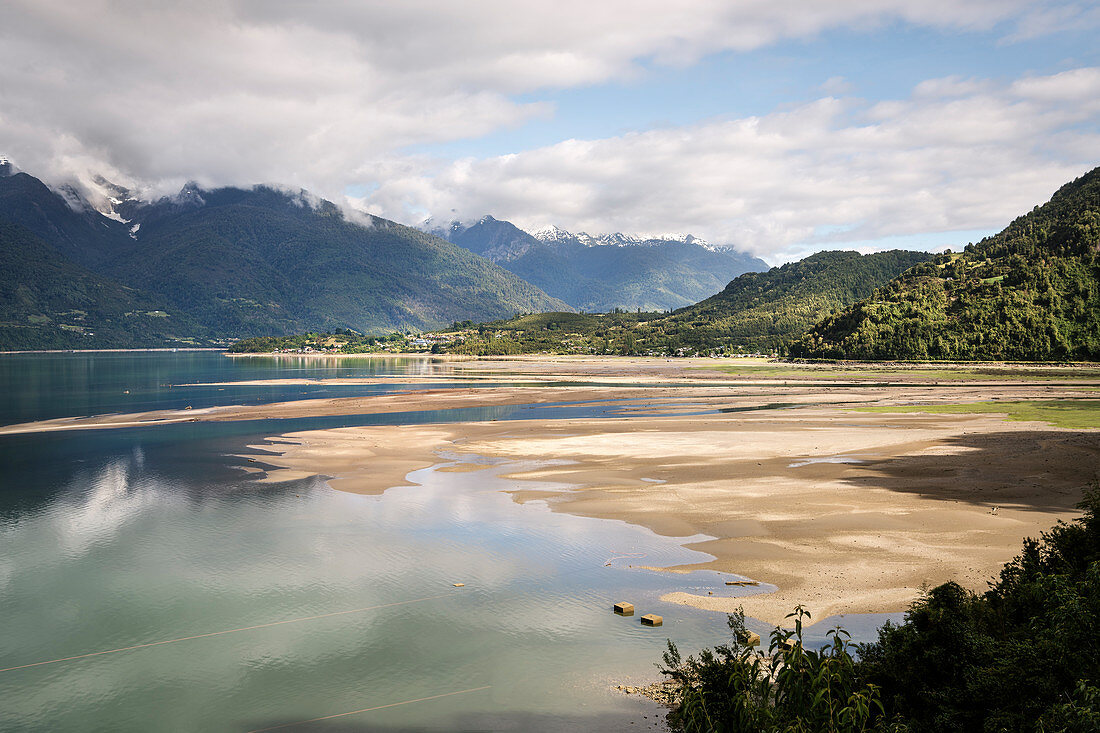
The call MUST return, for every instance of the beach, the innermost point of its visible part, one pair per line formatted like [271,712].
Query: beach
[780,478]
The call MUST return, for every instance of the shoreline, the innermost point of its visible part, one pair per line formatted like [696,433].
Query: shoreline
[167,349]
[731,360]
[838,537]
[784,481]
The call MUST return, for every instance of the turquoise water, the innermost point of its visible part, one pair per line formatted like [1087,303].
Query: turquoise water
[147,584]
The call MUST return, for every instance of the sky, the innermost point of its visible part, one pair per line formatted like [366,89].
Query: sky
[778,127]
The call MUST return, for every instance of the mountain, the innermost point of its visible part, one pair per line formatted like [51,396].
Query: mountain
[1031,292]
[71,226]
[233,262]
[756,312]
[606,272]
[49,302]
[761,311]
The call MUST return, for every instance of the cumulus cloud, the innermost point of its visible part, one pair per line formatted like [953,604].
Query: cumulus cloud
[152,94]
[236,91]
[956,155]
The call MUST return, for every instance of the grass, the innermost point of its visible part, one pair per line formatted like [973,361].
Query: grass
[957,374]
[1082,413]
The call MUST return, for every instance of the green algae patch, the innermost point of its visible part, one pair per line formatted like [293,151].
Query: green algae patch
[893,373]
[1082,413]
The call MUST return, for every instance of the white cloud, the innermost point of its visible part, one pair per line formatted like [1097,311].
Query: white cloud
[954,156]
[237,91]
[328,95]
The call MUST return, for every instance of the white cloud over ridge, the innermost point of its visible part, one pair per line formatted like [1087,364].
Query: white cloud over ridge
[328,95]
[956,155]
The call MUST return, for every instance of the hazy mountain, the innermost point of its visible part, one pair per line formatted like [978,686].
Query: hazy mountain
[1030,292]
[247,262]
[606,272]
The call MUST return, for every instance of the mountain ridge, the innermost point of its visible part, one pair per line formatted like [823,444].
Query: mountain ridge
[1030,292]
[608,271]
[240,262]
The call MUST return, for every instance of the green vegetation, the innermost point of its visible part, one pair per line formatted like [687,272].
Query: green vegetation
[49,302]
[234,263]
[1075,414]
[762,311]
[1031,292]
[734,688]
[262,261]
[1023,656]
[756,312]
[345,342]
[895,372]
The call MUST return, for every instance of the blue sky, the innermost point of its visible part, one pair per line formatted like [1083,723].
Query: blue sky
[880,64]
[777,127]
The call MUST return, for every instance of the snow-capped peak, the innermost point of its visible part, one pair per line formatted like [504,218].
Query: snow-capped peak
[551,234]
[554,234]
[94,193]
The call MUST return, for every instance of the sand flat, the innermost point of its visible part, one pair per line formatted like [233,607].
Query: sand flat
[834,537]
[778,480]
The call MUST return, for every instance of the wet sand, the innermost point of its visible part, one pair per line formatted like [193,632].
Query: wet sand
[846,512]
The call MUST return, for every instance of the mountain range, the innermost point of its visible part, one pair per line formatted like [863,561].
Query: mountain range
[226,263]
[208,266]
[84,267]
[605,272]
[1029,293]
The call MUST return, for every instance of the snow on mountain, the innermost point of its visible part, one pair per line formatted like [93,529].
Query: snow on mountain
[97,194]
[553,234]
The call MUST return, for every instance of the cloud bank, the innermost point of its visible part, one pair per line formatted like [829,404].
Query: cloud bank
[958,154]
[331,95]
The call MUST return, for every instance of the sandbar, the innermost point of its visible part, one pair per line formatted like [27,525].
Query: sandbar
[773,477]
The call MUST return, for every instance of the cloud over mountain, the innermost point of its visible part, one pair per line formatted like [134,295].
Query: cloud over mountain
[243,91]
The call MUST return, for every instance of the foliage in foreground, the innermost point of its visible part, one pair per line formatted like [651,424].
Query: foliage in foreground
[1023,656]
[734,688]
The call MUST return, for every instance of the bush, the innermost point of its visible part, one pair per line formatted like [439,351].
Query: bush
[1023,656]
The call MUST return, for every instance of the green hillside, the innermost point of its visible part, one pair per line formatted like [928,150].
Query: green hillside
[232,263]
[756,312]
[262,261]
[1031,292]
[761,311]
[48,302]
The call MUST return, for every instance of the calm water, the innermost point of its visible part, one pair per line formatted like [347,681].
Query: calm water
[116,539]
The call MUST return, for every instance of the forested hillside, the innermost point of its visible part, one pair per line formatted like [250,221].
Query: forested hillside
[49,302]
[761,311]
[263,261]
[225,264]
[756,312]
[1031,292]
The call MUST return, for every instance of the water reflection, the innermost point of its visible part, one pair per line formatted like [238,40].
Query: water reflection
[133,537]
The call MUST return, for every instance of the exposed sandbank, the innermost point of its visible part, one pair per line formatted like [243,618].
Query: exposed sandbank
[843,511]
[835,537]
